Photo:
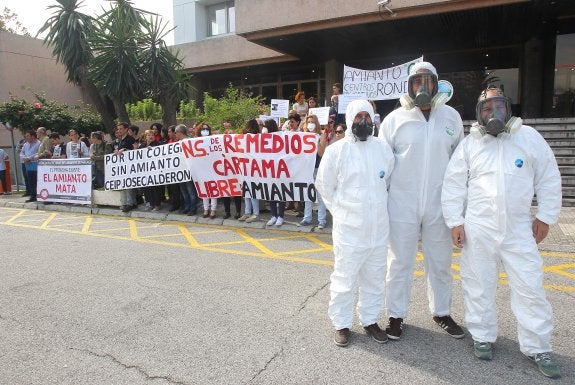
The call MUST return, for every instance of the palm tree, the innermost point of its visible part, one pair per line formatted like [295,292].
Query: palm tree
[68,34]
[166,81]
[117,40]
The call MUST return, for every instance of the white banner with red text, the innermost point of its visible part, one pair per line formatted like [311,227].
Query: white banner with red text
[272,167]
[65,181]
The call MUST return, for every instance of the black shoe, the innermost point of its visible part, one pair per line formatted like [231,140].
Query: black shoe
[173,208]
[30,200]
[237,216]
[26,195]
[227,215]
[185,211]
[376,333]
[448,324]
[128,208]
[394,328]
[342,337]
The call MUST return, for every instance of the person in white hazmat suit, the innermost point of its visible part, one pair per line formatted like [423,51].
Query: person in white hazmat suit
[486,199]
[423,134]
[353,178]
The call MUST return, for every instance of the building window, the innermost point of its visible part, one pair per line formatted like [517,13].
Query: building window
[221,18]
[564,95]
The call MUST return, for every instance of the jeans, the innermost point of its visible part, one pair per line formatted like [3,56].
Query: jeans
[252,206]
[190,196]
[321,209]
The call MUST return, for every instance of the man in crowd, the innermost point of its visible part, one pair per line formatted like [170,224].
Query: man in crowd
[58,148]
[352,179]
[187,189]
[487,194]
[122,144]
[423,134]
[27,155]
[44,151]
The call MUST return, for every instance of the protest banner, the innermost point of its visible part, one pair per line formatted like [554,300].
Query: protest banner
[382,84]
[276,166]
[149,166]
[279,108]
[322,114]
[65,181]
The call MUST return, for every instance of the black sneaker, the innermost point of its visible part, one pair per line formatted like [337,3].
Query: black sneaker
[394,328]
[342,337]
[376,333]
[448,324]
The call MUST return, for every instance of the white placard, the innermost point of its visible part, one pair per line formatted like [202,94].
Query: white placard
[382,84]
[279,108]
[322,114]
[65,181]
[149,166]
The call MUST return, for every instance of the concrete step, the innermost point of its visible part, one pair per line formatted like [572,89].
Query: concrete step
[561,142]
[568,191]
[567,170]
[567,180]
[568,202]
[569,135]
[565,160]
[563,151]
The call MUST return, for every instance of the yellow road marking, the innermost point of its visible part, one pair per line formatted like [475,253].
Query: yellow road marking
[45,224]
[87,224]
[24,218]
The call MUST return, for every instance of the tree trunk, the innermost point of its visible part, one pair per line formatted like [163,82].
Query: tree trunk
[169,109]
[121,110]
[99,104]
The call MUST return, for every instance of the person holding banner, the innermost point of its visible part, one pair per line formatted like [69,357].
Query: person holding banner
[423,134]
[76,148]
[210,204]
[252,205]
[311,124]
[123,143]
[276,207]
[187,189]
[353,179]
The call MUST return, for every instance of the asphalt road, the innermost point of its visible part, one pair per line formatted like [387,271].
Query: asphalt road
[95,300]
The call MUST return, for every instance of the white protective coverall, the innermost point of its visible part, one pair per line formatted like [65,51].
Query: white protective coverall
[498,176]
[422,151]
[352,179]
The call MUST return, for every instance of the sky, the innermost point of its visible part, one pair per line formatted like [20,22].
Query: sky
[33,13]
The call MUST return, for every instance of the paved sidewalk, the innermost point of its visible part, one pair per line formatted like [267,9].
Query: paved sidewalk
[561,236]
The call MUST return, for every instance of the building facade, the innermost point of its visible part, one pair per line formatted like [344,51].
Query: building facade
[275,48]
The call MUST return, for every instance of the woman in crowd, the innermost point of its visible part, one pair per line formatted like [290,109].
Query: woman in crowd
[76,148]
[157,129]
[312,125]
[210,204]
[153,194]
[300,106]
[252,205]
[277,207]
[97,153]
[312,102]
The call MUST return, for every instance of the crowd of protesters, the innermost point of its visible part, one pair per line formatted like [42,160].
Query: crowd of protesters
[355,177]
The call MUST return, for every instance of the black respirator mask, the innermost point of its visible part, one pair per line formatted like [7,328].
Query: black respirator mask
[423,96]
[498,119]
[362,130]
[495,123]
